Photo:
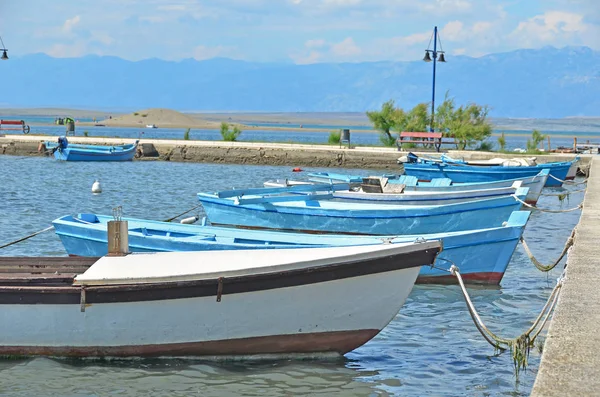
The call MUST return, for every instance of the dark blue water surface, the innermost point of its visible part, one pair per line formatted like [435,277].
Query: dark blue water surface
[430,348]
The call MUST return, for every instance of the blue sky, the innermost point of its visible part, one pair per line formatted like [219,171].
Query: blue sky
[299,31]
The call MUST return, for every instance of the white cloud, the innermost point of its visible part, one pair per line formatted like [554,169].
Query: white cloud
[312,57]
[70,24]
[345,48]
[556,28]
[73,50]
[453,31]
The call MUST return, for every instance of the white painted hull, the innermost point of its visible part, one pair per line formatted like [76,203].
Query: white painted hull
[326,317]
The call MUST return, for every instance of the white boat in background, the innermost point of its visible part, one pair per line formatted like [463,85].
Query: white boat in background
[214,304]
[151,126]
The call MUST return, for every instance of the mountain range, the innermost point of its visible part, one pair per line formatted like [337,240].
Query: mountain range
[546,82]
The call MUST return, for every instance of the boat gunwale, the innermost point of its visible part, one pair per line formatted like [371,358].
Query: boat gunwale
[167,290]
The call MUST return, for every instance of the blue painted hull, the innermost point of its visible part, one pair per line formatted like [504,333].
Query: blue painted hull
[75,152]
[361,218]
[481,255]
[474,174]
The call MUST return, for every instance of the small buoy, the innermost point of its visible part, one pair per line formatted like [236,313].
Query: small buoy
[190,220]
[96,188]
[297,169]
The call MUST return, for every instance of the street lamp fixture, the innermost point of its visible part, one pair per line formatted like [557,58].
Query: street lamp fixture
[4,56]
[432,55]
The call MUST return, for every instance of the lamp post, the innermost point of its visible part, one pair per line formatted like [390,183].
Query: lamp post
[4,56]
[428,58]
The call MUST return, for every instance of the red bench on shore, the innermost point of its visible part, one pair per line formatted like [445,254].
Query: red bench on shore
[425,138]
[23,127]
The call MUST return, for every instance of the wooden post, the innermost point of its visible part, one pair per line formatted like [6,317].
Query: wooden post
[548,142]
[574,144]
[118,238]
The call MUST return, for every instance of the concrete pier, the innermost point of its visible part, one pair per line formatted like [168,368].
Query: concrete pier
[570,363]
[288,154]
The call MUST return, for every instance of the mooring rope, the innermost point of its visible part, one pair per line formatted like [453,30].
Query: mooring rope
[547,210]
[568,182]
[26,237]
[568,192]
[547,268]
[520,346]
[183,213]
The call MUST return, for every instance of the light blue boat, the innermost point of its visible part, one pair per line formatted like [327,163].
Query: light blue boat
[63,150]
[482,255]
[412,184]
[257,208]
[428,169]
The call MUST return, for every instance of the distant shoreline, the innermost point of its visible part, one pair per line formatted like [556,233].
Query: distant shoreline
[328,120]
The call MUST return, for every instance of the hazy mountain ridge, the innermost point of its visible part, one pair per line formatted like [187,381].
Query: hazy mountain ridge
[547,83]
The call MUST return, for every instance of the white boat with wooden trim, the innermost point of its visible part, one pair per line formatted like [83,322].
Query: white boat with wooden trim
[258,303]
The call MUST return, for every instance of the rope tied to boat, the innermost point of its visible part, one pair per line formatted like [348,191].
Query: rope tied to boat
[183,213]
[547,268]
[568,182]
[580,206]
[26,237]
[521,345]
[565,194]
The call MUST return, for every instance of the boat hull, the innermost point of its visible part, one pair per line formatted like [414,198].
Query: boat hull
[534,183]
[316,312]
[470,174]
[78,152]
[482,255]
[311,217]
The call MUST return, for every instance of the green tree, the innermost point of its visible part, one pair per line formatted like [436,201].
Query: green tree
[536,138]
[230,134]
[467,124]
[186,135]
[384,120]
[502,142]
[416,120]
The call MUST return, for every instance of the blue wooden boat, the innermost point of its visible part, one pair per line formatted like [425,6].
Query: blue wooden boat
[257,208]
[482,255]
[428,169]
[412,184]
[63,150]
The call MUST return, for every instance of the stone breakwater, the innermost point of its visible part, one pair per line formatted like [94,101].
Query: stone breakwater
[299,155]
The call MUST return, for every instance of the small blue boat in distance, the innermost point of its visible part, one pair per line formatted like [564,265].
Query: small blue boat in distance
[63,150]
[482,255]
[428,169]
[317,213]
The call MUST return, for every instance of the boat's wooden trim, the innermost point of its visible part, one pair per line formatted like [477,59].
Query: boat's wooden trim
[45,294]
[483,278]
[339,342]
[45,265]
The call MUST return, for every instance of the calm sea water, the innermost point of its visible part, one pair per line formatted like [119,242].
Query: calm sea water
[358,137]
[430,348]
